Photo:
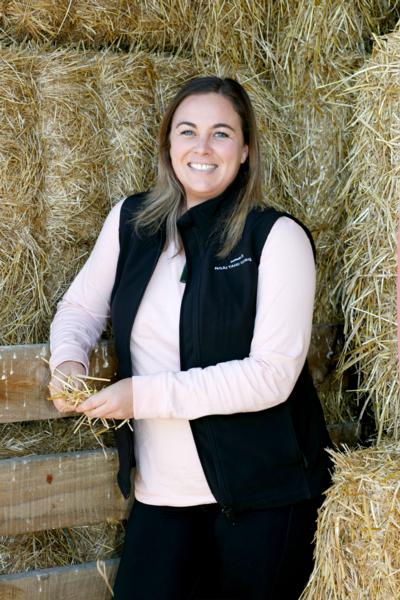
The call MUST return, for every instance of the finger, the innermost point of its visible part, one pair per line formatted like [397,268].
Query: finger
[92,403]
[105,411]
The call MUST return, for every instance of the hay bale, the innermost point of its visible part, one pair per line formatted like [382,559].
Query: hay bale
[153,24]
[166,26]
[73,194]
[41,21]
[357,538]
[315,45]
[98,23]
[232,32]
[371,200]
[126,85]
[210,28]
[22,299]
[91,23]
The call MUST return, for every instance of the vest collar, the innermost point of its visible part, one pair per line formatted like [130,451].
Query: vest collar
[207,214]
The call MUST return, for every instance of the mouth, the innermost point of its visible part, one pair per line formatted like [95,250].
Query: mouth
[203,167]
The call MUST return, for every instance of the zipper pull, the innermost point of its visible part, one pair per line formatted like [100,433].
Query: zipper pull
[229,513]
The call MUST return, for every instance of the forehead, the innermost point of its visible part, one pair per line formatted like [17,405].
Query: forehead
[208,108]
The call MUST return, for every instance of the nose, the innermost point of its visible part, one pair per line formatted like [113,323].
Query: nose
[203,144]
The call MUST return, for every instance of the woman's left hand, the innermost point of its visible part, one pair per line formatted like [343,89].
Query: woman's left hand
[113,402]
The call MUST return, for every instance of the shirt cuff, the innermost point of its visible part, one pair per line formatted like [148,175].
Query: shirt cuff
[61,355]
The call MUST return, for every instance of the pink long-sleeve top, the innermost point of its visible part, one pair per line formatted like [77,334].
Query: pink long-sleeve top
[168,470]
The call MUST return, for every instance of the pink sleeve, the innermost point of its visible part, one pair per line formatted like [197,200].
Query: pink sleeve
[278,351]
[82,312]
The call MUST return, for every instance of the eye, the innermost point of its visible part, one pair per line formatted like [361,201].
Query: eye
[187,132]
[221,134]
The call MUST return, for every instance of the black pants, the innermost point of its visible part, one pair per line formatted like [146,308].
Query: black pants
[198,553]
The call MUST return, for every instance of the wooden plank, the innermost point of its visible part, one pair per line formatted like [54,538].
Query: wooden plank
[80,582]
[24,377]
[59,490]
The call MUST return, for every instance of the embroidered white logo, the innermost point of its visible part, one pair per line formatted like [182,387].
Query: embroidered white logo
[235,262]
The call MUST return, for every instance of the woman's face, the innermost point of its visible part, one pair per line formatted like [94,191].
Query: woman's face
[206,146]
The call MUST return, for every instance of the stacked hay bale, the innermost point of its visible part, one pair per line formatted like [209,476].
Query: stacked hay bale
[369,236]
[21,257]
[357,542]
[317,47]
[216,28]
[74,160]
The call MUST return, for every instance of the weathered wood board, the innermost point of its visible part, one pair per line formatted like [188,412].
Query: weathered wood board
[24,377]
[80,582]
[59,490]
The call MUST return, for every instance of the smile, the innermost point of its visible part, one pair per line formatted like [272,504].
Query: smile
[202,166]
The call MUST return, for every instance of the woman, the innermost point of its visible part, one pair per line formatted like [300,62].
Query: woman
[211,297]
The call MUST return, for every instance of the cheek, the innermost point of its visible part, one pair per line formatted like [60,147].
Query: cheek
[176,151]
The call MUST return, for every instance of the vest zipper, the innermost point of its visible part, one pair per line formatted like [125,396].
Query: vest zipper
[226,509]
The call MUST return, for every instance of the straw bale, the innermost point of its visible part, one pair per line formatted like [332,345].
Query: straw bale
[233,32]
[166,26]
[38,20]
[210,27]
[371,201]
[73,194]
[21,259]
[161,25]
[126,84]
[357,540]
[101,22]
[171,72]
[316,44]
[72,126]
[60,547]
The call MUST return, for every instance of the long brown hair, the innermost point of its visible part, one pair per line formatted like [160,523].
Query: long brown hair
[164,203]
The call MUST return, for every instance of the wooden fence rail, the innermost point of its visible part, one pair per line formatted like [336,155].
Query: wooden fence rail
[81,582]
[24,376]
[59,490]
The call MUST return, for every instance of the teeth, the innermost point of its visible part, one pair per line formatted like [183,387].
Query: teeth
[202,166]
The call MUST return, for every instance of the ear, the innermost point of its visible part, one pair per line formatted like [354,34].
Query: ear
[245,153]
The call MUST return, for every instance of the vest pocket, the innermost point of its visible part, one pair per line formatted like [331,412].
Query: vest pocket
[258,450]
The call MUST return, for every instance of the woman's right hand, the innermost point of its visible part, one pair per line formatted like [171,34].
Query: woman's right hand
[65,370]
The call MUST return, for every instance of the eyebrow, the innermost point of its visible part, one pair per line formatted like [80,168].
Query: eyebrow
[216,126]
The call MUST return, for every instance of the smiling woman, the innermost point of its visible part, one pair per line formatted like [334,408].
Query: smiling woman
[211,366]
[206,146]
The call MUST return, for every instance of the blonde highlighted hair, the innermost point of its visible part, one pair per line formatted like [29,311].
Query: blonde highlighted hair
[165,202]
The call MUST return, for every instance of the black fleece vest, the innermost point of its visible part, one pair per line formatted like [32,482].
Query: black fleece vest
[258,459]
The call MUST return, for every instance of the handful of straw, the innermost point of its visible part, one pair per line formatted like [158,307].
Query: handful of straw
[74,391]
